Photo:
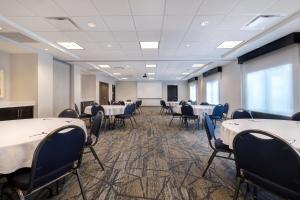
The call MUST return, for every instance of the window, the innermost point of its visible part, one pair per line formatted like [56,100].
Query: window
[193,92]
[270,90]
[212,92]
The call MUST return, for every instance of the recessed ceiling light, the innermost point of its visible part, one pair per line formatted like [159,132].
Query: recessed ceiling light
[151,65]
[46,49]
[229,44]
[70,45]
[149,45]
[185,73]
[204,23]
[91,25]
[109,45]
[198,65]
[124,78]
[151,73]
[151,78]
[117,73]
[187,45]
[1,28]
[104,66]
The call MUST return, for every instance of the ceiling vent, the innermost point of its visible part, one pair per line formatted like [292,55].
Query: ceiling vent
[63,23]
[118,68]
[18,37]
[261,22]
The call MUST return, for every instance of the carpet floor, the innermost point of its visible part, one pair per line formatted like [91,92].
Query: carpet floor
[154,161]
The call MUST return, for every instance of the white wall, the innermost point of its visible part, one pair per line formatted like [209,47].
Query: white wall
[45,86]
[5,65]
[88,87]
[61,86]
[75,85]
[128,90]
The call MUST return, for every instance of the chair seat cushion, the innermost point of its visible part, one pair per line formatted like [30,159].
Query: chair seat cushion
[20,178]
[123,116]
[190,116]
[221,146]
[215,117]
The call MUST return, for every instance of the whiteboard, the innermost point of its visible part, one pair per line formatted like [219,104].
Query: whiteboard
[149,90]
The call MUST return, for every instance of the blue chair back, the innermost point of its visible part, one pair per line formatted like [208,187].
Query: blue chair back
[209,127]
[268,161]
[296,117]
[204,104]
[226,108]
[128,110]
[95,109]
[187,110]
[57,154]
[218,111]
[241,114]
[68,113]
[96,124]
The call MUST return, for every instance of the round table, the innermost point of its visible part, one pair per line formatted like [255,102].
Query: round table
[285,129]
[199,110]
[110,110]
[19,139]
[173,103]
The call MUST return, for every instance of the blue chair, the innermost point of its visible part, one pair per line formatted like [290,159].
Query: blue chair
[204,104]
[128,112]
[94,134]
[226,109]
[267,161]
[217,114]
[241,114]
[57,156]
[187,113]
[218,146]
[174,115]
[296,117]
[68,113]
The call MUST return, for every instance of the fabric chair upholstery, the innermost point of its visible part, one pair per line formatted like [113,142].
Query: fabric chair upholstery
[241,114]
[296,117]
[68,113]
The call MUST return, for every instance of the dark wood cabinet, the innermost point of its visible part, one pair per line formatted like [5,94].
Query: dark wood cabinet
[13,113]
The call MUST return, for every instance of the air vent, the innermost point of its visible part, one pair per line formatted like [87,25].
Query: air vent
[118,68]
[18,37]
[63,23]
[261,22]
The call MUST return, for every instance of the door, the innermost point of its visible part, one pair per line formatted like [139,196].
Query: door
[113,93]
[103,93]
[172,93]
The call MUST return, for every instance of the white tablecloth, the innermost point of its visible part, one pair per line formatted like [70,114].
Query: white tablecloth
[285,129]
[19,139]
[173,103]
[198,109]
[109,110]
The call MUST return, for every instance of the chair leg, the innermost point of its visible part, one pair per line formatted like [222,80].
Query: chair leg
[80,185]
[209,162]
[131,122]
[237,189]
[96,157]
[134,119]
[20,194]
[171,121]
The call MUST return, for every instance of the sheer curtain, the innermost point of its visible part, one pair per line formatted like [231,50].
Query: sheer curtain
[212,91]
[270,90]
[193,90]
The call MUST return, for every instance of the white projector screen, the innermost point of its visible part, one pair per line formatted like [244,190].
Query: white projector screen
[149,90]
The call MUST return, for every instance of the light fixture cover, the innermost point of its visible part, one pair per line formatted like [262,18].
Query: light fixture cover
[198,65]
[149,45]
[151,73]
[104,66]
[229,44]
[70,45]
[151,65]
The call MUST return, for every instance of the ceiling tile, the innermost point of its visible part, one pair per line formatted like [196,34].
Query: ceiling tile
[119,23]
[130,46]
[216,7]
[172,23]
[101,36]
[235,21]
[126,36]
[148,23]
[13,8]
[82,22]
[44,8]
[148,36]
[283,7]
[213,21]
[146,7]
[34,23]
[78,7]
[182,7]
[251,6]
[112,7]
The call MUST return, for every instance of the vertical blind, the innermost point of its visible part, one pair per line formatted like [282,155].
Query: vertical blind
[270,90]
[212,91]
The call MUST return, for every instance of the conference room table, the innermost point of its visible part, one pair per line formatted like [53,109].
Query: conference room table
[19,139]
[110,110]
[285,129]
[173,103]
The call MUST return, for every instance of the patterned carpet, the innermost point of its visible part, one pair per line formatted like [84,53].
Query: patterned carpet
[154,161]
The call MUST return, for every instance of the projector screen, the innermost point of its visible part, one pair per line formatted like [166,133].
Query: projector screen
[149,90]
